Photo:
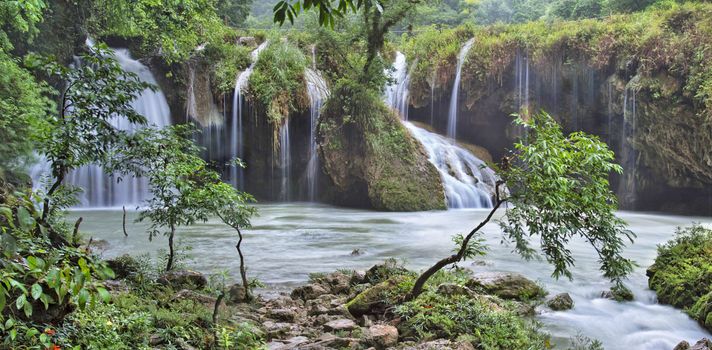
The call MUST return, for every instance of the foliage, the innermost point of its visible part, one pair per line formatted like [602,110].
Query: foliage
[19,18]
[234,11]
[40,282]
[278,82]
[558,189]
[487,322]
[682,273]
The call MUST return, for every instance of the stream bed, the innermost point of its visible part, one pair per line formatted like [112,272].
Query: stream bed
[290,241]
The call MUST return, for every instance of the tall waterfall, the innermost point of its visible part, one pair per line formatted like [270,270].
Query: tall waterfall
[627,186]
[101,189]
[237,178]
[317,91]
[467,180]
[397,91]
[452,113]
[285,160]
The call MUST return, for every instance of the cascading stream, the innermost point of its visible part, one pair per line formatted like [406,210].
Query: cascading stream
[318,91]
[236,132]
[101,189]
[452,113]
[467,180]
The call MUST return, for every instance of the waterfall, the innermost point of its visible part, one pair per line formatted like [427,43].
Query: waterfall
[396,93]
[452,113]
[317,92]
[467,180]
[236,143]
[104,190]
[627,187]
[285,160]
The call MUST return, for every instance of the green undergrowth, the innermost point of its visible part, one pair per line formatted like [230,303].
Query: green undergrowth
[682,273]
[277,82]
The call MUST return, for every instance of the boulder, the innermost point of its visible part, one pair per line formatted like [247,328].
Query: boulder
[381,336]
[186,294]
[123,266]
[236,294]
[506,286]
[442,344]
[381,272]
[286,315]
[371,301]
[183,279]
[451,289]
[310,291]
[704,344]
[560,302]
[619,293]
[342,324]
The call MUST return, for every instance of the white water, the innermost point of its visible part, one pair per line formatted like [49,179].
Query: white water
[101,189]
[452,113]
[396,93]
[236,133]
[628,182]
[467,180]
[320,238]
[285,160]
[318,91]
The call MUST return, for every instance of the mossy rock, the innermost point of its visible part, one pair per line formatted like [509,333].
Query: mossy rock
[511,286]
[375,300]
[371,158]
[682,273]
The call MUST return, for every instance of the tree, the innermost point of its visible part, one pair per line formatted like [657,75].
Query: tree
[557,189]
[171,162]
[234,11]
[81,132]
[233,209]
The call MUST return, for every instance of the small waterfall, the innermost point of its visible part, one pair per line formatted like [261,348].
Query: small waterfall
[627,187]
[452,114]
[104,190]
[285,159]
[317,92]
[236,142]
[467,180]
[396,93]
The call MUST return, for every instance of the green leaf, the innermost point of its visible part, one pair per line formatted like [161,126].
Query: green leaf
[36,291]
[21,301]
[7,213]
[25,218]
[104,294]
[2,299]
[83,297]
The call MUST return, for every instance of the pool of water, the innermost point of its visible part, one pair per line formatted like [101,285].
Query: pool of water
[289,241]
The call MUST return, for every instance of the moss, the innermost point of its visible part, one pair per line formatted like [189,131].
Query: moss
[682,273]
[364,145]
[277,82]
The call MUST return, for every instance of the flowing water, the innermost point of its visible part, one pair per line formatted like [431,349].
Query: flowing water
[236,142]
[467,180]
[101,189]
[452,113]
[289,241]
[318,91]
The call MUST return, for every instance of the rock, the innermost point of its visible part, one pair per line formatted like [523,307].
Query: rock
[276,329]
[618,294]
[183,279]
[123,266]
[442,344]
[683,345]
[236,294]
[704,344]
[381,336]
[155,339]
[356,252]
[381,272]
[116,286]
[99,244]
[357,277]
[342,324]
[561,302]
[371,300]
[286,315]
[450,289]
[506,286]
[186,294]
[247,41]
[310,291]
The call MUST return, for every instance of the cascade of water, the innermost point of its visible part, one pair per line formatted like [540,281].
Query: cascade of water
[396,93]
[285,160]
[104,190]
[610,111]
[317,92]
[432,95]
[627,186]
[236,176]
[467,180]
[452,113]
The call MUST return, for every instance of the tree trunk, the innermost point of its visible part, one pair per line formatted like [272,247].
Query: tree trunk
[169,265]
[218,301]
[124,222]
[243,271]
[452,259]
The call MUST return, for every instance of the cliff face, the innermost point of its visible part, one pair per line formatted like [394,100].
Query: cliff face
[641,83]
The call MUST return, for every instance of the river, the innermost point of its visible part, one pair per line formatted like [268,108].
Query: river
[289,241]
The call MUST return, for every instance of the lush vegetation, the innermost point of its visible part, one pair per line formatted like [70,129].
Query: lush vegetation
[682,271]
